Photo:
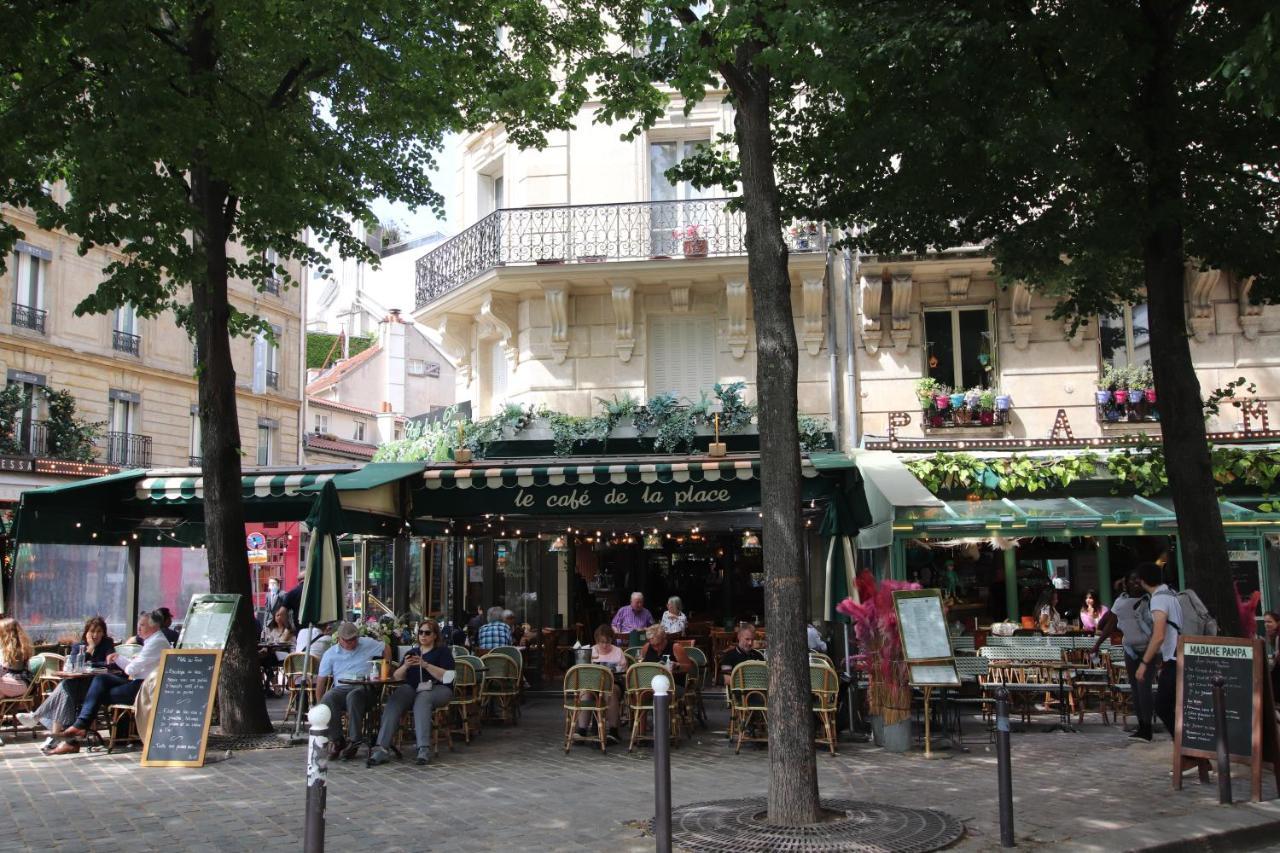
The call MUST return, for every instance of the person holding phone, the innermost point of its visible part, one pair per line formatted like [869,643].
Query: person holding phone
[661,650]
[427,671]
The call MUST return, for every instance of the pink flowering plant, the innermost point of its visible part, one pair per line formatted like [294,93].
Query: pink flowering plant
[689,232]
[875,624]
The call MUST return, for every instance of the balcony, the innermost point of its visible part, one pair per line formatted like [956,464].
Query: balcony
[29,438]
[28,318]
[273,379]
[694,228]
[272,286]
[128,450]
[125,342]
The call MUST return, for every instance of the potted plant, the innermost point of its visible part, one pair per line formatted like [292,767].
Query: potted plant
[1149,382]
[987,407]
[942,399]
[926,389]
[1003,402]
[620,414]
[1121,390]
[804,237]
[875,624]
[694,244]
[1106,384]
[957,399]
[735,413]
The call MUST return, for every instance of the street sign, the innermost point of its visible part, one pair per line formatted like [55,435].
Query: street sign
[255,541]
[257,558]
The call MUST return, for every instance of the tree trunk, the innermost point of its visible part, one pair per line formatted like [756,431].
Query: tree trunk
[242,708]
[1200,534]
[793,775]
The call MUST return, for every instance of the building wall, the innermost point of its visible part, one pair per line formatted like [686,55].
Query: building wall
[77,353]
[1036,363]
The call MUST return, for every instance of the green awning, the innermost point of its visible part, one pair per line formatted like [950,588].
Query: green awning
[1064,516]
[373,475]
[633,473]
[190,489]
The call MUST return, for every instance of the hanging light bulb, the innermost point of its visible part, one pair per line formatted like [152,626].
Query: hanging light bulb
[558,545]
[750,541]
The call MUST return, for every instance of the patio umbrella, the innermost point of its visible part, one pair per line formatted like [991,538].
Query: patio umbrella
[322,587]
[846,514]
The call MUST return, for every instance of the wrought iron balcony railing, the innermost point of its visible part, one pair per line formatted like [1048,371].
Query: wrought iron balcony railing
[29,438]
[28,317]
[592,234]
[195,461]
[273,379]
[125,342]
[272,286]
[128,450]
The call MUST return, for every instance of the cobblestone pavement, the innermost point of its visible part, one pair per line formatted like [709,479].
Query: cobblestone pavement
[515,786]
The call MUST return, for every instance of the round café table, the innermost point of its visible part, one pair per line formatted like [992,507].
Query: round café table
[376,690]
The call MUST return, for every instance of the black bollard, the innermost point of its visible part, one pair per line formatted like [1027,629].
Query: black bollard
[1220,723]
[662,763]
[317,770]
[1005,774]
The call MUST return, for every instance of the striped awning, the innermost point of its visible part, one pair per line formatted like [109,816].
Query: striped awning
[187,489]
[514,476]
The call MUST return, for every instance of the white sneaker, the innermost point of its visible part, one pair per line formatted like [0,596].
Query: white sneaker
[27,720]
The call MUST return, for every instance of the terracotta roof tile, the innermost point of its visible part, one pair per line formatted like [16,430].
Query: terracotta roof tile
[340,445]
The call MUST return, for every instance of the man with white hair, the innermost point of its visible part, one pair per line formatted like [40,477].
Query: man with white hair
[632,617]
[494,632]
[109,689]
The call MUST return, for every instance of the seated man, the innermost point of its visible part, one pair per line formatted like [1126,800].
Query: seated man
[109,689]
[495,632]
[348,659]
[745,650]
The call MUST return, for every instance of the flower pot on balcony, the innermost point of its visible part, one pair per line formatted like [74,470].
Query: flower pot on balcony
[987,418]
[957,400]
[1103,396]
[548,261]
[1003,402]
[695,248]
[961,415]
[942,401]
[1121,396]
[1151,395]
[462,454]
[937,421]
[592,259]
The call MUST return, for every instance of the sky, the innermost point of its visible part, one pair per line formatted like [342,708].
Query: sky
[424,221]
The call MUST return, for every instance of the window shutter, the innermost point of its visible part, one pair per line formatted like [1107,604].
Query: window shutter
[682,355]
[259,364]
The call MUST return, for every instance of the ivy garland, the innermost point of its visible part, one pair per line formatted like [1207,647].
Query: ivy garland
[988,479]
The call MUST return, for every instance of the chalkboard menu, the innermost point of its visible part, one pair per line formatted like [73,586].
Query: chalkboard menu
[1252,737]
[208,622]
[179,727]
[1201,661]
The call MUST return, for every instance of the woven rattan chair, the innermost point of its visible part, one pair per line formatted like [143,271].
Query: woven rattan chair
[635,651]
[299,671]
[459,651]
[820,657]
[28,701]
[694,684]
[440,728]
[749,699]
[640,701]
[587,687]
[1121,689]
[52,663]
[518,656]
[825,685]
[465,703]
[501,685]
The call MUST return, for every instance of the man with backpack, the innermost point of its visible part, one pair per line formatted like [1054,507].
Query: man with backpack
[1161,654]
[1131,615]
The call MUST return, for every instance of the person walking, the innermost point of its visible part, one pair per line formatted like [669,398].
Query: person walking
[1161,655]
[1131,615]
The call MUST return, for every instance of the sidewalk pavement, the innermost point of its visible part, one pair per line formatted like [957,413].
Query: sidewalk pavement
[514,785]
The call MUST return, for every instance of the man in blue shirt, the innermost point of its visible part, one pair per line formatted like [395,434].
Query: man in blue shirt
[350,658]
[495,632]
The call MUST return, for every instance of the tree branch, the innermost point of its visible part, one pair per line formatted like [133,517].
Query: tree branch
[729,72]
[284,91]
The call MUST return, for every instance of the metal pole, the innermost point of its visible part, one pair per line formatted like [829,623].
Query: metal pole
[1005,775]
[662,763]
[1220,723]
[317,770]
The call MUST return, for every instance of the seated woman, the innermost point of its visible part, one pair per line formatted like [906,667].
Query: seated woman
[660,649]
[1092,611]
[60,709]
[15,651]
[605,653]
[1047,615]
[278,632]
[427,671]
[673,619]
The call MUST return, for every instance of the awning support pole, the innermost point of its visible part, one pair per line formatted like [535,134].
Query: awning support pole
[1011,582]
[1104,570]
[131,577]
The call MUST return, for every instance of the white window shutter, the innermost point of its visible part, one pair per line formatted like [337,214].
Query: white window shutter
[260,364]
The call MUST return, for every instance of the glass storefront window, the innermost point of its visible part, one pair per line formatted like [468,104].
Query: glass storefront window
[515,563]
[57,587]
[169,577]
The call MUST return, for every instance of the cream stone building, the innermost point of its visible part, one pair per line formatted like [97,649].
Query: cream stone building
[584,273]
[134,376]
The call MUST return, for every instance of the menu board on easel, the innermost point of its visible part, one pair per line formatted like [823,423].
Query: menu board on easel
[926,645]
[208,622]
[178,730]
[1252,736]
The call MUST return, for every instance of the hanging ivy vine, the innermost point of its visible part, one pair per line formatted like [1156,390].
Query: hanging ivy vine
[988,479]
[1142,468]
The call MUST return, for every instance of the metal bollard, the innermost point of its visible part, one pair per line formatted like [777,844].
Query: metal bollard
[1220,723]
[662,762]
[317,770]
[1005,774]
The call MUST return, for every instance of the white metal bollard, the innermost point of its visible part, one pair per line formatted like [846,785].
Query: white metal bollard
[662,762]
[317,771]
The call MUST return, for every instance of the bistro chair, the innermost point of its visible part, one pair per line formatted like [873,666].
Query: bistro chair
[587,687]
[518,656]
[440,728]
[635,651]
[825,686]
[1121,689]
[694,684]
[459,651]
[51,664]
[748,700]
[1086,682]
[129,649]
[640,701]
[28,701]
[299,671]
[820,658]
[466,697]
[501,685]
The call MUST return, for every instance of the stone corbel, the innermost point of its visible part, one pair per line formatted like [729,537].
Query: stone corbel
[958,285]
[870,290]
[1020,315]
[1200,285]
[1075,337]
[557,296]
[498,321]
[1250,314]
[455,337]
[900,329]
[811,298]
[624,314]
[680,297]
[735,293]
